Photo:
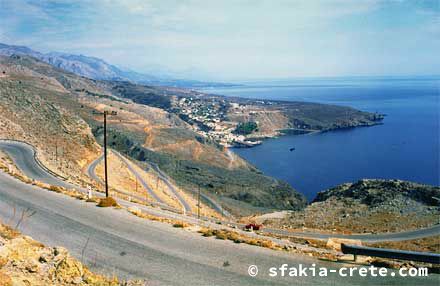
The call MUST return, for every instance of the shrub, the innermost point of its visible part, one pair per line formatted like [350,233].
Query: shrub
[233,236]
[246,128]
[236,237]
[180,224]
[266,243]
[55,189]
[252,242]
[221,235]
[238,240]
[206,232]
[107,202]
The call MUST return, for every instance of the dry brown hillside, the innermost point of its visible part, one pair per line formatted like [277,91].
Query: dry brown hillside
[32,109]
[56,111]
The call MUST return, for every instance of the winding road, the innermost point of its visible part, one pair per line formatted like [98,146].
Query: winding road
[212,203]
[380,237]
[130,247]
[92,167]
[91,172]
[23,156]
[185,205]
[170,186]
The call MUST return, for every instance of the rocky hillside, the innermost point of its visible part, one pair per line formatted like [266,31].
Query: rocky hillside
[65,106]
[34,107]
[369,206]
[244,185]
[24,261]
[277,117]
[384,194]
[150,128]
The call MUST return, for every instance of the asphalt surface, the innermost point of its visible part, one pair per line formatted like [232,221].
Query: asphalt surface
[131,247]
[185,206]
[91,169]
[23,156]
[212,203]
[380,237]
[139,178]
[170,186]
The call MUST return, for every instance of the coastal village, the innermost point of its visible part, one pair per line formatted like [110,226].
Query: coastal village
[209,119]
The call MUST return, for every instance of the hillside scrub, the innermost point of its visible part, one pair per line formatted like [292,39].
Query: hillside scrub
[107,202]
[369,205]
[247,185]
[246,128]
[234,236]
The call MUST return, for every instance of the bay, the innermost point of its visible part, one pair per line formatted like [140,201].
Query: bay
[405,147]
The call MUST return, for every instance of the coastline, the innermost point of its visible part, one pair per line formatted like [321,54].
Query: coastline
[294,131]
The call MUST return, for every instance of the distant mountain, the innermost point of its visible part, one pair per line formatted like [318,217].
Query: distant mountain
[96,68]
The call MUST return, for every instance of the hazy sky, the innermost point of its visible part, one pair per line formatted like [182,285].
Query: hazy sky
[236,39]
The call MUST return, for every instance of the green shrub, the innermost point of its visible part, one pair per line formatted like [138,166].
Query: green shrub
[246,128]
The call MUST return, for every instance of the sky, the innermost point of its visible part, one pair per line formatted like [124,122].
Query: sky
[236,39]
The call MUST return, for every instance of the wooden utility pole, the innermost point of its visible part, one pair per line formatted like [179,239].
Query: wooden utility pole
[56,149]
[198,205]
[105,154]
[105,113]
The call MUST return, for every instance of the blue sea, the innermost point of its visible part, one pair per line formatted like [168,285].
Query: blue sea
[405,147]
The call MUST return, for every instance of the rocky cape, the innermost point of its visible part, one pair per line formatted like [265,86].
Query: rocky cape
[369,205]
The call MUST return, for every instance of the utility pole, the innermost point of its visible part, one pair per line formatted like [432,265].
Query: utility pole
[56,149]
[198,205]
[105,154]
[105,113]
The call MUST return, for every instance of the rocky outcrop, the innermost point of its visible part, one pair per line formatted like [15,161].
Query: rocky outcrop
[374,193]
[24,261]
[369,206]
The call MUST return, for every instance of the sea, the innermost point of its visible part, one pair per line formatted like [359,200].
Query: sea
[405,146]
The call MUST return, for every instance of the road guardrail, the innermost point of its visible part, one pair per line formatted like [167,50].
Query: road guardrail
[391,253]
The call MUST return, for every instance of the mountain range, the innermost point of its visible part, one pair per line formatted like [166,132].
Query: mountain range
[95,68]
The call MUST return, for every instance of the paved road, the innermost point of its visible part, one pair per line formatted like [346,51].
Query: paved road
[94,164]
[415,234]
[212,203]
[170,186]
[23,156]
[132,247]
[380,237]
[139,178]
[92,167]
[91,172]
